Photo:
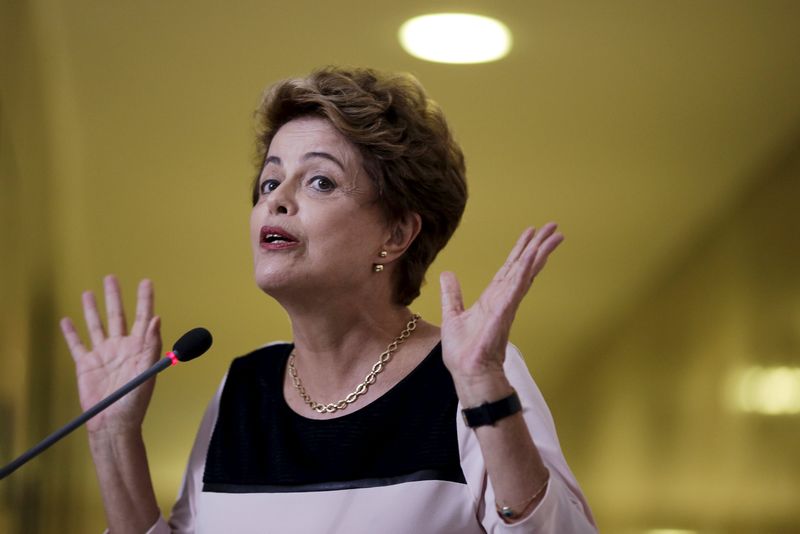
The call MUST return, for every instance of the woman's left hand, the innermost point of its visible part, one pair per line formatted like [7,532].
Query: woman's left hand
[474,339]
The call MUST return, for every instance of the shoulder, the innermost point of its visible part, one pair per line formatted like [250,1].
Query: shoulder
[253,373]
[517,370]
[514,360]
[530,395]
[272,347]
[268,353]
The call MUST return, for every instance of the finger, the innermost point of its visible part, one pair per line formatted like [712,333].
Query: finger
[93,323]
[543,253]
[452,300]
[117,326]
[519,270]
[144,308]
[515,253]
[72,338]
[544,232]
[522,242]
[152,337]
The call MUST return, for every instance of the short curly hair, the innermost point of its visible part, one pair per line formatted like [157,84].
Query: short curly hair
[407,148]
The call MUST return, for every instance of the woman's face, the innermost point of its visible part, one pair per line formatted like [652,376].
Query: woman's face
[316,229]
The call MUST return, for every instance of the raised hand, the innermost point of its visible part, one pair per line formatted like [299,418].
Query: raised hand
[115,357]
[474,339]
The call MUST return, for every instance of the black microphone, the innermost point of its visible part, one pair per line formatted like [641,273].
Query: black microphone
[191,345]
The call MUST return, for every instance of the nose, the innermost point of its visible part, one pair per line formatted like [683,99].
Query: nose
[281,201]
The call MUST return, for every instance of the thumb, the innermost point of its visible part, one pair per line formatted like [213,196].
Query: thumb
[452,301]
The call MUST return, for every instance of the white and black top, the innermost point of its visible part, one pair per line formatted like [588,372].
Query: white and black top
[406,435]
[403,463]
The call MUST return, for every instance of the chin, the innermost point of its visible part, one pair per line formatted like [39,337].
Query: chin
[271,282]
[284,286]
[274,272]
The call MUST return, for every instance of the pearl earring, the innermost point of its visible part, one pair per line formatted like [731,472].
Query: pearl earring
[378,267]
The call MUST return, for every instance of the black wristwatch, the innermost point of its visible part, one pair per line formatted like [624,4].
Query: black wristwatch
[489,413]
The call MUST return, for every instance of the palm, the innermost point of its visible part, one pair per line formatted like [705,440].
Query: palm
[474,339]
[115,358]
[107,368]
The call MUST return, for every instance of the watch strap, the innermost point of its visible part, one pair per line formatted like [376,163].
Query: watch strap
[489,413]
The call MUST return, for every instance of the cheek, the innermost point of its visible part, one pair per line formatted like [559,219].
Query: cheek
[358,236]
[255,226]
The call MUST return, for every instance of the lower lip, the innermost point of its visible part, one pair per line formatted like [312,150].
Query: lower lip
[279,245]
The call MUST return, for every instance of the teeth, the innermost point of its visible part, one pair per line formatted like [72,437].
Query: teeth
[271,238]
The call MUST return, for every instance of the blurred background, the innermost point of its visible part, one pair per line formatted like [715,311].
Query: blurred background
[663,136]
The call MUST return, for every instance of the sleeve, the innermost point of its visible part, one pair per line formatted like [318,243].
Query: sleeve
[184,512]
[564,509]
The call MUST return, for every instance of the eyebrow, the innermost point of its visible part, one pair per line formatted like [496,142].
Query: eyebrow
[309,155]
[323,155]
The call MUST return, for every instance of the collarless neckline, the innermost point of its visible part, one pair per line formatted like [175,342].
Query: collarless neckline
[436,350]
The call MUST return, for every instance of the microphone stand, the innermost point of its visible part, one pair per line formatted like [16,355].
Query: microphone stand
[34,451]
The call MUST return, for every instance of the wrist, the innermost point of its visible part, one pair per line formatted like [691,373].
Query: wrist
[475,390]
[107,437]
[489,413]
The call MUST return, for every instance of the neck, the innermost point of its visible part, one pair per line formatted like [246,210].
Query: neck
[337,339]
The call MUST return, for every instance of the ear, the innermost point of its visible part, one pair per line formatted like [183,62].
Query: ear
[401,234]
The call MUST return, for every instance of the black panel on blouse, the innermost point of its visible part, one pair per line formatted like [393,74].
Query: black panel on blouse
[260,445]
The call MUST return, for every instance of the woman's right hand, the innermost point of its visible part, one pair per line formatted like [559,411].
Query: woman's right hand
[115,357]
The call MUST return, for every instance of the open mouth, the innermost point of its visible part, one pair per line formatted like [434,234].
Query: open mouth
[274,236]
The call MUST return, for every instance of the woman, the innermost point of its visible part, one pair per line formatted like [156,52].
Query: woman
[360,185]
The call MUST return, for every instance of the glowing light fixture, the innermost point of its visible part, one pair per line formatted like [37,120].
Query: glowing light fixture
[455,38]
[765,390]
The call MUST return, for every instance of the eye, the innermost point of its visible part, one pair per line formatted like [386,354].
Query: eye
[322,183]
[268,186]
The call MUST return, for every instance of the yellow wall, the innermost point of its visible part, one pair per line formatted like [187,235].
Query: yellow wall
[646,412]
[42,497]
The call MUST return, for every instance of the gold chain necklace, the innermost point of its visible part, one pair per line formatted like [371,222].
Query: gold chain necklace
[363,386]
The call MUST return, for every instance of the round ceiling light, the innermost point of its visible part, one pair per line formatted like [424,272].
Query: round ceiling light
[455,38]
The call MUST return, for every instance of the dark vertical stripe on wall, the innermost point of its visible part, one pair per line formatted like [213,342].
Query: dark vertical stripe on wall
[41,384]
[37,498]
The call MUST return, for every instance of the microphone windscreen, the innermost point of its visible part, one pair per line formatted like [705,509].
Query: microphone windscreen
[192,344]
